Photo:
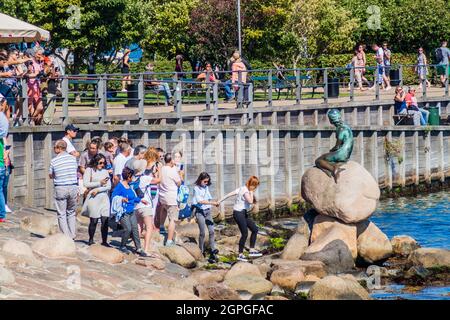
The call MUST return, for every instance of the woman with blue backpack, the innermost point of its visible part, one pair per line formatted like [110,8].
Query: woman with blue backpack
[125,193]
[202,202]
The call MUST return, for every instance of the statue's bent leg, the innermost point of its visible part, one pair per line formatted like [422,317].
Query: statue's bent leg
[325,165]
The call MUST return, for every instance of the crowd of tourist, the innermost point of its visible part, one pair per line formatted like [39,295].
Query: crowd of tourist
[137,189]
[42,74]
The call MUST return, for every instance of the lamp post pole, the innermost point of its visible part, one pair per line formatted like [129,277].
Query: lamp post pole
[239,25]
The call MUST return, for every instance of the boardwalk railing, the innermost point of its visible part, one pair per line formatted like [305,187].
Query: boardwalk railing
[98,97]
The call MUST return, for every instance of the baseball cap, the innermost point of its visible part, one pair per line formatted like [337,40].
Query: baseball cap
[71,127]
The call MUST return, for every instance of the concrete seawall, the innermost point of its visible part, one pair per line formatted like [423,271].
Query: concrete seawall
[278,154]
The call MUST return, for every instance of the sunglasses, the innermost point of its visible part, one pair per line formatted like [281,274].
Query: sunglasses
[101,162]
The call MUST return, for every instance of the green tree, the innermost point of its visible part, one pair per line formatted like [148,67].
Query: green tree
[317,27]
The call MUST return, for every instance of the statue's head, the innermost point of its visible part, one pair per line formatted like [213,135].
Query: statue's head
[334,116]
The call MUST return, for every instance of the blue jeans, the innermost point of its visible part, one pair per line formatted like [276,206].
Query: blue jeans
[2,195]
[229,92]
[5,183]
[424,116]
[166,89]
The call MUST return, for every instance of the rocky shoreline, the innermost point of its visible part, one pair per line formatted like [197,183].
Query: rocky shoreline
[332,252]
[38,263]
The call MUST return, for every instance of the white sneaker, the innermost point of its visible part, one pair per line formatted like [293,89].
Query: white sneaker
[254,254]
[241,257]
[7,209]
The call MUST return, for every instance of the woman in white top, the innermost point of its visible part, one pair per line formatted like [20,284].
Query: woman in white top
[97,181]
[242,205]
[145,212]
[202,201]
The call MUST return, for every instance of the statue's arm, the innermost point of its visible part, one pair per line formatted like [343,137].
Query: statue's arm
[337,146]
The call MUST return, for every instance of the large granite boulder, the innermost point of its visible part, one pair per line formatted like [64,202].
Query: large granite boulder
[19,253]
[245,277]
[105,254]
[216,291]
[330,249]
[295,247]
[404,245]
[40,225]
[179,255]
[322,224]
[309,268]
[430,257]
[208,277]
[243,268]
[256,286]
[287,278]
[193,250]
[337,288]
[55,246]
[352,199]
[373,244]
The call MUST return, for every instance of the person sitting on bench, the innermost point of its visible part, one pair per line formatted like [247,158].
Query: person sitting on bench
[151,81]
[401,107]
[411,102]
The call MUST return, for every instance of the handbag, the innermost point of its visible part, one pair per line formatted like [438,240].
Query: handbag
[185,213]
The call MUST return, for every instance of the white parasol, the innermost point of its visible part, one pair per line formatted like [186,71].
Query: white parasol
[13,30]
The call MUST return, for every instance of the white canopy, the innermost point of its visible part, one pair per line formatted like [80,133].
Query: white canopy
[13,30]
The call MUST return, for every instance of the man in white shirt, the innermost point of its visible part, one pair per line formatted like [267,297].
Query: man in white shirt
[168,191]
[379,72]
[70,134]
[120,160]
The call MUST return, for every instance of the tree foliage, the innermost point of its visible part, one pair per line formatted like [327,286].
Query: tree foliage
[297,32]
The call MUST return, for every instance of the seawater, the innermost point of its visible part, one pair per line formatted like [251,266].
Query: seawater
[425,218]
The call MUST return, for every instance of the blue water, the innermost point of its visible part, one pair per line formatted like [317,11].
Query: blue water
[425,218]
[397,291]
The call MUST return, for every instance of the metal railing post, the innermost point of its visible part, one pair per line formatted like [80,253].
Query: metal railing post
[400,75]
[270,88]
[352,84]
[377,85]
[325,90]
[240,90]
[424,85]
[298,92]
[446,79]
[65,99]
[250,103]
[25,100]
[178,96]
[102,92]
[208,91]
[216,101]
[141,97]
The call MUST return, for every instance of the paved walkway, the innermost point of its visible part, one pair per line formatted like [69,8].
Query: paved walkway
[118,109]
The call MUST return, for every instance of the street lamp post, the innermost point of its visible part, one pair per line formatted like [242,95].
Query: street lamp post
[239,25]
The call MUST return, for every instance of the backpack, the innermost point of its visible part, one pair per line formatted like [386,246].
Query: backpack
[183,196]
[439,55]
[135,186]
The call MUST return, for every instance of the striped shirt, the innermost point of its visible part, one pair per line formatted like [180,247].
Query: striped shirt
[64,168]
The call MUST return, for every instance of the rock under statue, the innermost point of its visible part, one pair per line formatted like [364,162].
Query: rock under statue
[330,162]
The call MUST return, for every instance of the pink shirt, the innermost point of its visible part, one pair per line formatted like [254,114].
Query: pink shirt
[236,67]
